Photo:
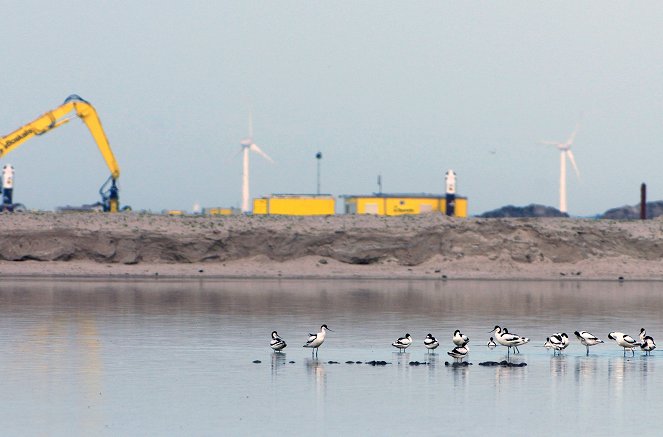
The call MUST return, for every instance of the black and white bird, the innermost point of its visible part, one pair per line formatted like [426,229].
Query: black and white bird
[491,343]
[624,340]
[648,345]
[459,352]
[459,338]
[403,343]
[509,340]
[431,342]
[552,343]
[646,342]
[565,340]
[587,339]
[315,340]
[277,343]
[557,342]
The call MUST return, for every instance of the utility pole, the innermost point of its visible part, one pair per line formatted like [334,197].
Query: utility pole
[318,157]
[643,201]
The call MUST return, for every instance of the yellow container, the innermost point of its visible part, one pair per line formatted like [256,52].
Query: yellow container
[401,204]
[294,205]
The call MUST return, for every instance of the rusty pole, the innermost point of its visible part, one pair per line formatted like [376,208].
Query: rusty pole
[643,201]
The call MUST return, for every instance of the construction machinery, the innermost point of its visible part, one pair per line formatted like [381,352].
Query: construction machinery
[73,106]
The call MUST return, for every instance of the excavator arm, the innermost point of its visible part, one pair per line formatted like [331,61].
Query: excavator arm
[73,106]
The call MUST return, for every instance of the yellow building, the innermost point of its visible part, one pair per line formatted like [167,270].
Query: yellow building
[399,204]
[294,204]
[219,211]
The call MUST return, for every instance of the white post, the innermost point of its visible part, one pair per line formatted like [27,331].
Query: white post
[562,182]
[245,181]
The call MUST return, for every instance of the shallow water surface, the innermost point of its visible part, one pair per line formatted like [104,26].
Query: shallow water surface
[176,358]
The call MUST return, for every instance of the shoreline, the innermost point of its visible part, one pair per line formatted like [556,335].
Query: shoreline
[426,247]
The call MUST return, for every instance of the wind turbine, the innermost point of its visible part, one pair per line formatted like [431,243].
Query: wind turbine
[249,146]
[565,149]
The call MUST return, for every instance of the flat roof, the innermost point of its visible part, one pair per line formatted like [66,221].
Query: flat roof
[397,195]
[296,195]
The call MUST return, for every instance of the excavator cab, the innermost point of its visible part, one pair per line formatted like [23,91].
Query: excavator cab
[110,196]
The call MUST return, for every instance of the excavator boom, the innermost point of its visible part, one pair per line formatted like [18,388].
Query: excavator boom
[73,106]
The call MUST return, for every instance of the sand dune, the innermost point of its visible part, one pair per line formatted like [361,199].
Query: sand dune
[427,246]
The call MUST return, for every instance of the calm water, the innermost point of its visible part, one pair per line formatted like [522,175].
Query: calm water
[176,358]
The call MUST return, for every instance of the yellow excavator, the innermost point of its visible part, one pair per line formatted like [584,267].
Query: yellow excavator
[73,106]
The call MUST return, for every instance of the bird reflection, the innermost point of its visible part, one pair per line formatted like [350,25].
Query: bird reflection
[278,360]
[585,368]
[402,358]
[316,369]
[558,365]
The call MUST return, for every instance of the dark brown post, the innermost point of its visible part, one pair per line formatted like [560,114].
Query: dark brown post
[643,201]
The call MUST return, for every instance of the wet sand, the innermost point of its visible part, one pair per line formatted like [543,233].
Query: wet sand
[417,247]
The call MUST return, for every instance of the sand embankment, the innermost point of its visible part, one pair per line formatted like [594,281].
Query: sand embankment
[427,246]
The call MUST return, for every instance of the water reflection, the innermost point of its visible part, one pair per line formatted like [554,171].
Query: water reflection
[278,361]
[401,359]
[558,365]
[586,368]
[138,346]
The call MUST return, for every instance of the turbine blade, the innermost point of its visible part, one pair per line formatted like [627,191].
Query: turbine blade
[573,162]
[573,135]
[250,124]
[550,143]
[254,148]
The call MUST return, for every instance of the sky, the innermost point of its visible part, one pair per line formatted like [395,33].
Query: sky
[405,90]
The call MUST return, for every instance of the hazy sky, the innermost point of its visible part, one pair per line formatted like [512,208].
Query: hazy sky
[402,89]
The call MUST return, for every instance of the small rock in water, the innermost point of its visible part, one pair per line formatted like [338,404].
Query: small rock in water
[457,364]
[291,362]
[332,362]
[349,362]
[257,361]
[502,363]
[357,362]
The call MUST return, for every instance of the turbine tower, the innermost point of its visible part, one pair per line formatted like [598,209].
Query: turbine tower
[565,153]
[249,146]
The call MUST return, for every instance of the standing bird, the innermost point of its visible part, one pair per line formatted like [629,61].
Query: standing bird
[491,343]
[624,340]
[460,339]
[552,343]
[557,342]
[402,343]
[277,343]
[431,342]
[587,339]
[648,345]
[315,340]
[459,352]
[509,340]
[646,342]
[565,340]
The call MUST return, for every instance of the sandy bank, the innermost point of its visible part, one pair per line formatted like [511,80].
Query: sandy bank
[427,246]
